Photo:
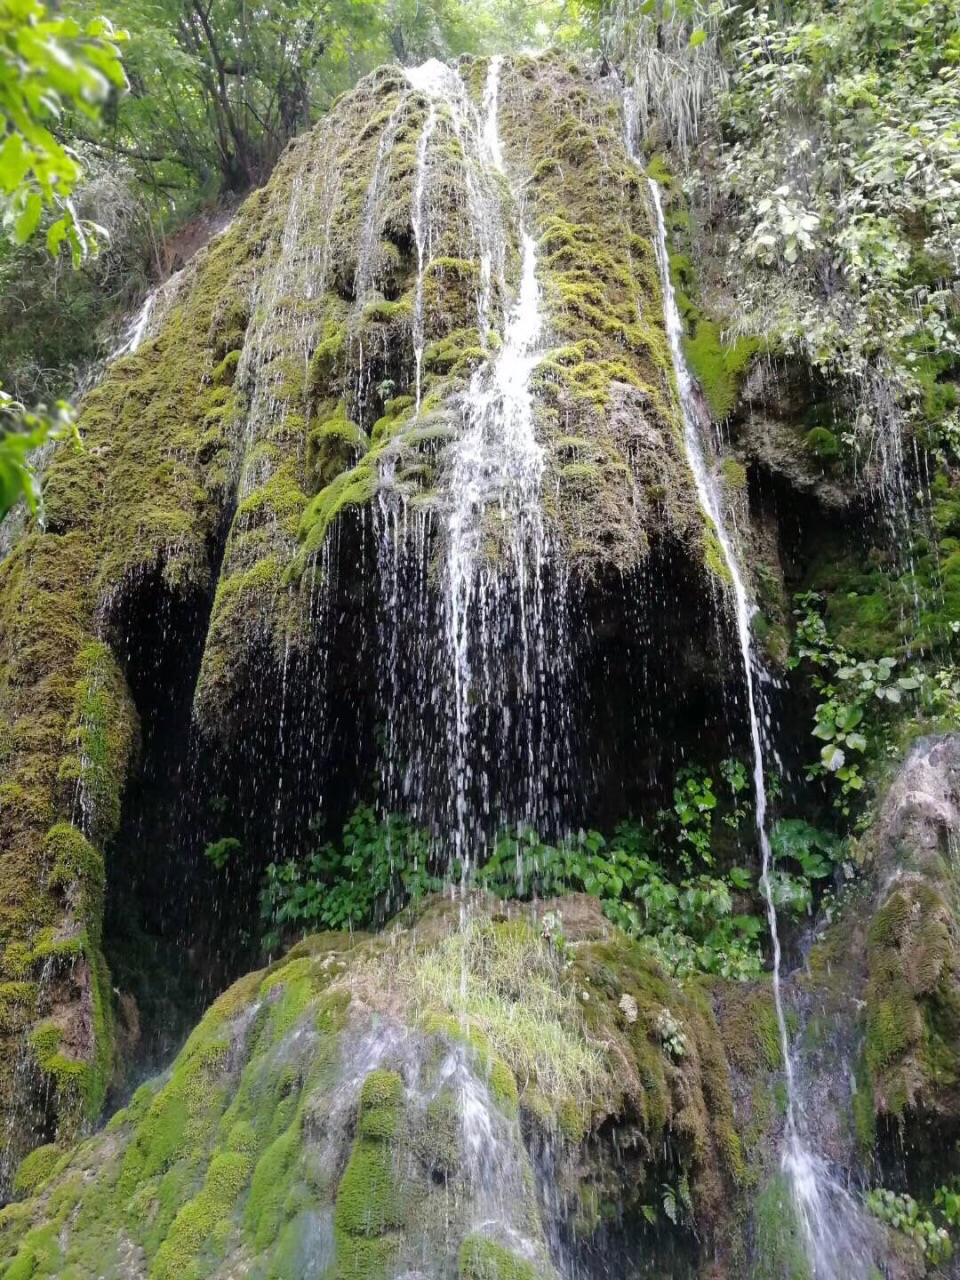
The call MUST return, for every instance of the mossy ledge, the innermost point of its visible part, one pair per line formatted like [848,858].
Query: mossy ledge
[135,513]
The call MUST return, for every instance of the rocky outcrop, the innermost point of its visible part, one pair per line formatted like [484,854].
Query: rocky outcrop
[242,609]
[485,1090]
[443,1100]
[913,991]
[300,379]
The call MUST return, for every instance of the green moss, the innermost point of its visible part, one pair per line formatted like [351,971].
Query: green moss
[35,1169]
[368,1198]
[79,1084]
[658,168]
[503,1085]
[103,731]
[333,446]
[913,1009]
[350,489]
[864,1111]
[369,1212]
[823,444]
[378,1112]
[17,1002]
[383,312]
[750,1031]
[39,1256]
[226,1159]
[483,1259]
[327,362]
[717,365]
[436,1139]
[779,1246]
[266,1208]
[225,372]
[714,558]
[196,1221]
[140,505]
[455,355]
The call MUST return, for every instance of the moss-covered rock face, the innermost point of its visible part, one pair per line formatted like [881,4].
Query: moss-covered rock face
[878,1031]
[912,1047]
[245,580]
[136,512]
[300,382]
[339,1114]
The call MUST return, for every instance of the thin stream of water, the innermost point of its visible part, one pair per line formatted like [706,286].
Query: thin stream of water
[710,504]
[827,1214]
[421,232]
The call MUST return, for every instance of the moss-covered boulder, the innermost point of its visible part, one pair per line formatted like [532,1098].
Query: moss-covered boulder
[877,1019]
[362,1109]
[912,1047]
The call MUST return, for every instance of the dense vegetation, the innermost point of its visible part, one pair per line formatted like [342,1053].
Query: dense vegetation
[675,885]
[821,142]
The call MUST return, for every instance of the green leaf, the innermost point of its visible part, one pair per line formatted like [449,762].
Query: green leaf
[15,161]
[28,218]
[56,234]
[698,37]
[849,717]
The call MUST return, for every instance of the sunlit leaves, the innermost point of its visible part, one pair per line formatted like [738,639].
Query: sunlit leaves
[21,434]
[49,66]
[853,698]
[785,228]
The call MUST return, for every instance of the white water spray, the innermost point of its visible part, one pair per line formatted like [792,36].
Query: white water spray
[491,101]
[827,1213]
[134,335]
[497,461]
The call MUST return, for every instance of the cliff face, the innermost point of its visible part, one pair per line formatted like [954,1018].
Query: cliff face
[391,499]
[527,1095]
[280,444]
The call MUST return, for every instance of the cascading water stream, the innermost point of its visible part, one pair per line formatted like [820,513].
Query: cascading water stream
[134,333]
[827,1213]
[710,504]
[497,461]
[491,680]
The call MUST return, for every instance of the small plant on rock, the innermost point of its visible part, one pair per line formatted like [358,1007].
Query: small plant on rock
[904,1214]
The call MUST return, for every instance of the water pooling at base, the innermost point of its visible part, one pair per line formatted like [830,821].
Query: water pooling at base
[827,1214]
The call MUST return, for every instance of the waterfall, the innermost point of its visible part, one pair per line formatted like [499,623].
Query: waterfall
[134,333]
[497,460]
[826,1212]
[497,464]
[711,505]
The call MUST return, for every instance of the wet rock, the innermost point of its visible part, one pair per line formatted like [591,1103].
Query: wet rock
[372,1118]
